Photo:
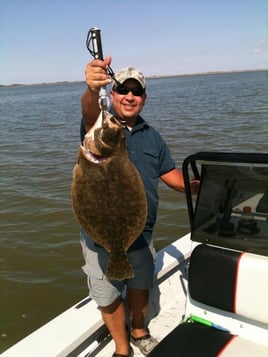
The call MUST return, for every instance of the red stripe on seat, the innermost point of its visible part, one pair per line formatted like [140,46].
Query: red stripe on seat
[236,282]
[225,346]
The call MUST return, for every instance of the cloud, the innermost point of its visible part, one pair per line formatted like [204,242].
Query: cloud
[262,47]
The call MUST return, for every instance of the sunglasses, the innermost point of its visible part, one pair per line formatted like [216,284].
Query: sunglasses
[124,90]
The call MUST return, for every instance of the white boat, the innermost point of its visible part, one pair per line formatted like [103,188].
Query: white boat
[222,243]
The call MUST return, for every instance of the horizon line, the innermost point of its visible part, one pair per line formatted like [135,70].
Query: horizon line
[155,76]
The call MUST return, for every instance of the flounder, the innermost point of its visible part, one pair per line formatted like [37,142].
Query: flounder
[108,195]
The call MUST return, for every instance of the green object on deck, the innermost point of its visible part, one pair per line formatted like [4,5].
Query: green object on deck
[200,320]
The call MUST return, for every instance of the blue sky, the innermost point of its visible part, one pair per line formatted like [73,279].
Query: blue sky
[44,40]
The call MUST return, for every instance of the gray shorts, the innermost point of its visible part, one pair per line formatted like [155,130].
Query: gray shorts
[105,291]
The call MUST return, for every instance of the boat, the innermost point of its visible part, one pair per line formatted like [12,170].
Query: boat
[211,285]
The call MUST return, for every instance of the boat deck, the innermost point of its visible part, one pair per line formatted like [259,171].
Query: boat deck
[169,317]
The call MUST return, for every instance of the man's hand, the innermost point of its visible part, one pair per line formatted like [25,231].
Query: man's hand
[96,74]
[96,77]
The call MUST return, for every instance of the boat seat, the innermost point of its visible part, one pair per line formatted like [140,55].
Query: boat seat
[227,311]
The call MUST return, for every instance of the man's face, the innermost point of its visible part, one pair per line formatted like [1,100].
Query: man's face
[128,106]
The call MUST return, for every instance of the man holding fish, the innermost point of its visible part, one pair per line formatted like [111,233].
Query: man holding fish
[149,153]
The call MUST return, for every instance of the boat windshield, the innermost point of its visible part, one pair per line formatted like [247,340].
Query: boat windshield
[232,207]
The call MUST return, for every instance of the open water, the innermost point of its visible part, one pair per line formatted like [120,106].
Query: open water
[40,250]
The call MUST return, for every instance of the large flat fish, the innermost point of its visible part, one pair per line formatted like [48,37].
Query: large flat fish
[108,195]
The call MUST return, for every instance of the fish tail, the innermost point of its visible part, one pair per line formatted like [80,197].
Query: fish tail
[119,268]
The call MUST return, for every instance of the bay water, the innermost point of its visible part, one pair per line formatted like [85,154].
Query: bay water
[40,257]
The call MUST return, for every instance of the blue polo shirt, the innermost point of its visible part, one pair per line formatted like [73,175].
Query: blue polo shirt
[151,156]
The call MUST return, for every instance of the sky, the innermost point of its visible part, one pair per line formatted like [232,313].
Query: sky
[44,40]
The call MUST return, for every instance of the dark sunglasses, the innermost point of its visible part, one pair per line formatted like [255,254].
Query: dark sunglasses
[124,90]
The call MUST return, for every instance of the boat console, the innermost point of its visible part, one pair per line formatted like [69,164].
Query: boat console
[226,309]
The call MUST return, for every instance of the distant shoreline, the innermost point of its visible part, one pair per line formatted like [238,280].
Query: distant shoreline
[149,77]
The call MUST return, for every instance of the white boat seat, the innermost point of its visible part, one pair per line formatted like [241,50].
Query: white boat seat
[229,291]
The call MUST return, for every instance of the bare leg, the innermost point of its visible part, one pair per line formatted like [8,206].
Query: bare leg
[137,300]
[114,317]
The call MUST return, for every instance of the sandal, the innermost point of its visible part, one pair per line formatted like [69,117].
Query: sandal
[130,354]
[145,343]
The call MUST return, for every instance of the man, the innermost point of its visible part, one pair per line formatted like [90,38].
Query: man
[150,154]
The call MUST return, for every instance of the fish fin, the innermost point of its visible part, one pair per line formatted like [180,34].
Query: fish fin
[118,267]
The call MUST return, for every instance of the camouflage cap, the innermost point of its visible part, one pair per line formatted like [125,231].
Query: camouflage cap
[130,72]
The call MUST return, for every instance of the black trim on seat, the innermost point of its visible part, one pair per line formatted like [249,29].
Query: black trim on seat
[212,276]
[192,340]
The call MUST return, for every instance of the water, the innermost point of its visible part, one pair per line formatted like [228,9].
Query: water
[40,250]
